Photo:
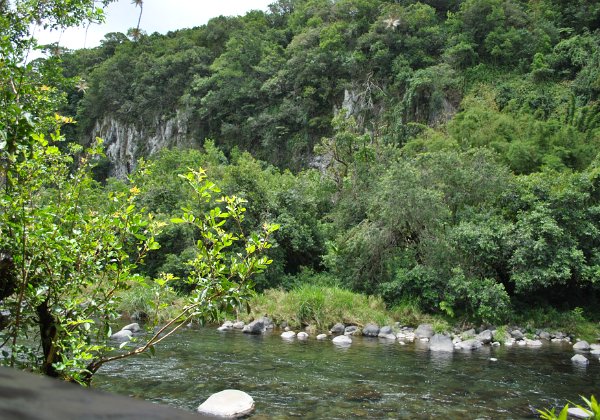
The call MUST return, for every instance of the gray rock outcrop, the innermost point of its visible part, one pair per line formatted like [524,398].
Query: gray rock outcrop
[440,342]
[229,403]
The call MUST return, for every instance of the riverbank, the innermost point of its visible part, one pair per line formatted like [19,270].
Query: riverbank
[316,309]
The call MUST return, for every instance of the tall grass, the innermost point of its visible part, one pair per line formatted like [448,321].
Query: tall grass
[321,307]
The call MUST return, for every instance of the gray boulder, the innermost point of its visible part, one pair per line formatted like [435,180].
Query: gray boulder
[517,334]
[342,340]
[238,325]
[424,331]
[386,330]
[230,403]
[471,344]
[134,327]
[122,336]
[485,337]
[255,327]
[302,336]
[580,359]
[468,334]
[391,336]
[545,335]
[440,342]
[267,322]
[371,330]
[337,328]
[351,330]
[581,346]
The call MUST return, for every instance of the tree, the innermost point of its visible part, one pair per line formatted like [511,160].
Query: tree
[67,247]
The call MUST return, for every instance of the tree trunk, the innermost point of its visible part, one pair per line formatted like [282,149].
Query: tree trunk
[47,334]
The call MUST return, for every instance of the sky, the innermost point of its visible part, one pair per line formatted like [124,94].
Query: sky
[158,16]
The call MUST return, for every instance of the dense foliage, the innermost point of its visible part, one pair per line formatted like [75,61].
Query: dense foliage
[68,246]
[452,144]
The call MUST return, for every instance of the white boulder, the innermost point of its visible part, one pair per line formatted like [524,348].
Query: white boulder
[288,335]
[342,340]
[229,403]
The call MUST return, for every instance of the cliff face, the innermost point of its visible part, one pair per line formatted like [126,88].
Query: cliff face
[125,143]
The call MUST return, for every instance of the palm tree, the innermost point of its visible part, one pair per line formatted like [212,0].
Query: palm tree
[140,3]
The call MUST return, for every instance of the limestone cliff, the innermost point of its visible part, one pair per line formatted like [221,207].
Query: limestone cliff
[125,143]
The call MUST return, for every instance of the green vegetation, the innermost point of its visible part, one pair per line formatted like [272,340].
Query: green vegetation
[591,408]
[320,306]
[69,247]
[456,144]
[440,157]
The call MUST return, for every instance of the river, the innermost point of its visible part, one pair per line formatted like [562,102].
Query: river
[373,378]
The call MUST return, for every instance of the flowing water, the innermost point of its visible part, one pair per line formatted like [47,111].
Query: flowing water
[373,378]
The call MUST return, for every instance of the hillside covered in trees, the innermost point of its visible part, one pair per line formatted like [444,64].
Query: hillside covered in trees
[443,152]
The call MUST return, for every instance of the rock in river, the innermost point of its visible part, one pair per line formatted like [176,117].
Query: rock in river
[135,327]
[440,342]
[370,330]
[288,335]
[322,337]
[580,359]
[472,344]
[255,327]
[342,340]
[337,328]
[230,403]
[123,335]
[302,336]
[581,346]
[424,331]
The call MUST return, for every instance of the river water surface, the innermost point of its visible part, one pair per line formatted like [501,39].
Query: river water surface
[373,378]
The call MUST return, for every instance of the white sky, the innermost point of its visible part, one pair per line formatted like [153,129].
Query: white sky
[158,16]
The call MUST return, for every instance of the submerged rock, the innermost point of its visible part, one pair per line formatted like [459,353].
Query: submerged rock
[342,340]
[441,342]
[580,359]
[424,331]
[229,403]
